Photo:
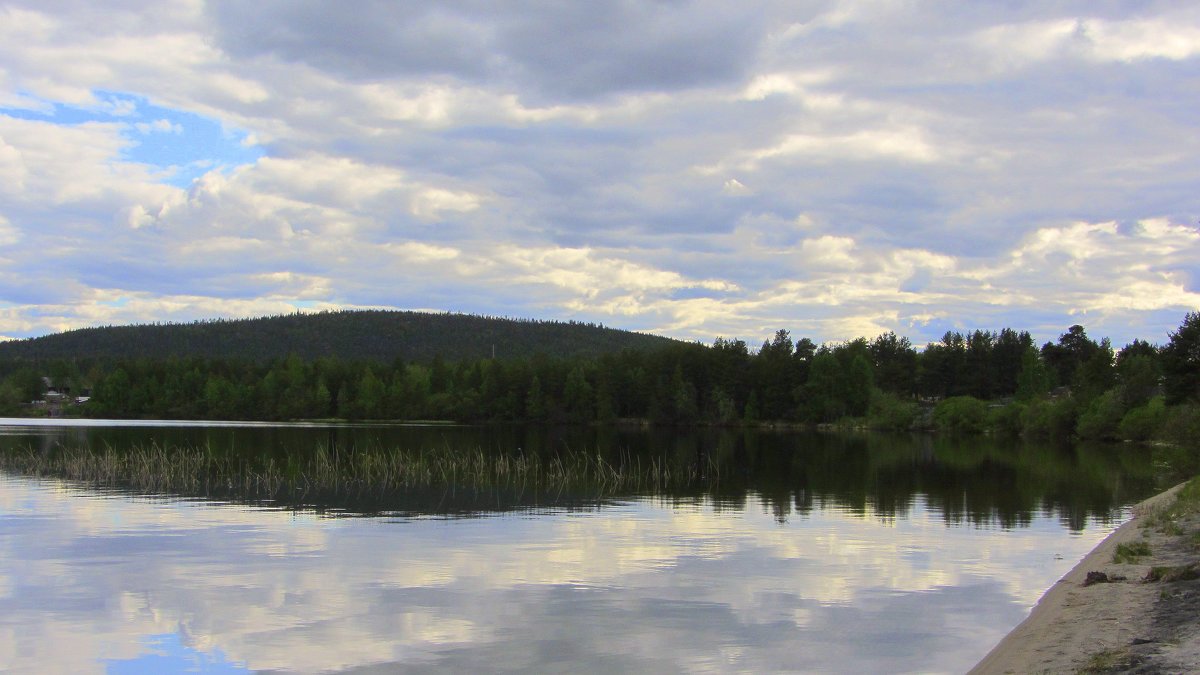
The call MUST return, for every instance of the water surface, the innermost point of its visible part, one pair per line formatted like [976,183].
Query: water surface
[814,553]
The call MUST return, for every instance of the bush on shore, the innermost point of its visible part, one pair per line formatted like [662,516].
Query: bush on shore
[1006,419]
[1102,417]
[1049,419]
[1182,426]
[1144,422]
[961,414]
[891,412]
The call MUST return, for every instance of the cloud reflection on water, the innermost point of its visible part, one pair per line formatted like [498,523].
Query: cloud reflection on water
[645,585]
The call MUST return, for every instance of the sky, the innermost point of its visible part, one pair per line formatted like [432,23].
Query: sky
[835,168]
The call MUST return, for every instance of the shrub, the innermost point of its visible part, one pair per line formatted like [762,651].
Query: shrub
[889,411]
[1006,419]
[960,413]
[1049,419]
[1182,426]
[1144,422]
[1131,552]
[1101,418]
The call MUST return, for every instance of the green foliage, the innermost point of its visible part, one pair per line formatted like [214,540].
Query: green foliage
[578,398]
[859,384]
[535,401]
[1049,419]
[722,408]
[26,383]
[112,397]
[11,398]
[683,406]
[891,412]
[1138,373]
[1181,362]
[1182,426]
[751,414]
[1107,661]
[605,409]
[1187,504]
[1130,552]
[1171,573]
[894,364]
[943,367]
[369,397]
[1143,422]
[1101,418]
[776,373]
[965,414]
[980,371]
[1064,359]
[669,383]
[1033,380]
[1008,350]
[1095,375]
[824,396]
[1187,501]
[351,335]
[1006,419]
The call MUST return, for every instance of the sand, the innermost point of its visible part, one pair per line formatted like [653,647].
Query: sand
[1125,626]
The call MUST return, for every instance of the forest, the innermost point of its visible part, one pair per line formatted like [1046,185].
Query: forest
[974,382]
[371,335]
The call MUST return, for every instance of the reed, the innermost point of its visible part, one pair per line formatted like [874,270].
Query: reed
[156,468]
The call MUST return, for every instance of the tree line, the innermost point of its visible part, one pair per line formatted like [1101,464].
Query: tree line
[967,381]
[374,335]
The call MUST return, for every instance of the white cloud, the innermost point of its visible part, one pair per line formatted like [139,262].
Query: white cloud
[902,144]
[433,203]
[416,252]
[890,162]
[735,188]
[829,251]
[9,235]
[160,126]
[290,590]
[1100,40]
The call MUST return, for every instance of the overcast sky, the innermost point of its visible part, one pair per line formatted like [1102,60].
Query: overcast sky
[695,169]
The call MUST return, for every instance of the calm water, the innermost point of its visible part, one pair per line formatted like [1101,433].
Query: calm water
[825,553]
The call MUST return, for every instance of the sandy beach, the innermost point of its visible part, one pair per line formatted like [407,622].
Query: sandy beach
[1142,616]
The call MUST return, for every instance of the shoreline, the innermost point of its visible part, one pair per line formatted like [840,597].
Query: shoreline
[1123,625]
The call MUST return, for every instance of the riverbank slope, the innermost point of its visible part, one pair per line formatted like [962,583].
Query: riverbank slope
[1140,617]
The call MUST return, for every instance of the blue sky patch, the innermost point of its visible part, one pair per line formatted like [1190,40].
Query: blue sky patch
[183,145]
[167,654]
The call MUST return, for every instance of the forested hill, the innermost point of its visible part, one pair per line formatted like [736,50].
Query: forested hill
[351,335]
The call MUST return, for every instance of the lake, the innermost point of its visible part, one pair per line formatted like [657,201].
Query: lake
[797,551]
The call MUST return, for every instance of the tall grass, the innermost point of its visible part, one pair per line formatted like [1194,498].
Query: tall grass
[328,471]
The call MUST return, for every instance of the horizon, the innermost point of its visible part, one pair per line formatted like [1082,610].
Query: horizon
[753,345]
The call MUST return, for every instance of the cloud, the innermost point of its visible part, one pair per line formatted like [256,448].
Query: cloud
[1023,44]
[432,203]
[552,51]
[735,188]
[274,589]
[691,167]
[9,235]
[160,126]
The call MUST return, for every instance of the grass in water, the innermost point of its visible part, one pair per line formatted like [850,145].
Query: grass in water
[1131,552]
[197,471]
